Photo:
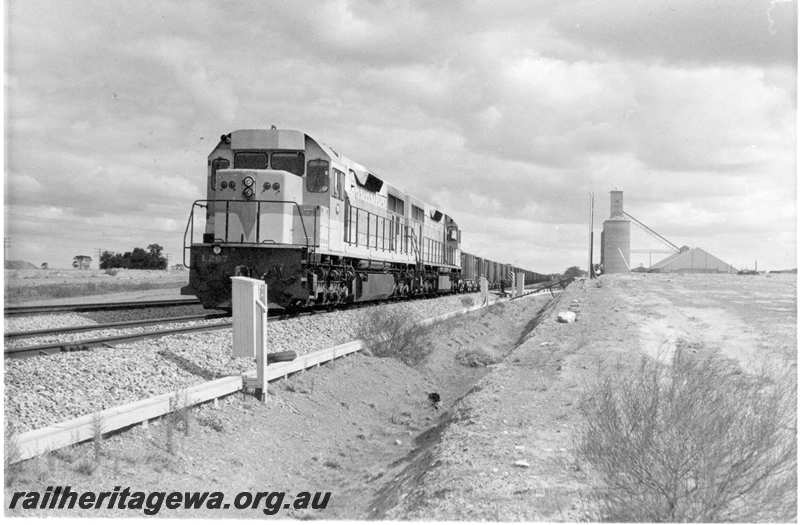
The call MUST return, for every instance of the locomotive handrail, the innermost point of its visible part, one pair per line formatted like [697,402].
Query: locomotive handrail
[204,203]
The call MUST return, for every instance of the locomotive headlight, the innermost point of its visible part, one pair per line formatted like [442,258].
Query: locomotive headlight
[248,181]
[276,186]
[217,250]
[248,193]
[223,185]
[266,186]
[232,185]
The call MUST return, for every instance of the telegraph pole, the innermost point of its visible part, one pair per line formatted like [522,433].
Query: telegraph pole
[591,235]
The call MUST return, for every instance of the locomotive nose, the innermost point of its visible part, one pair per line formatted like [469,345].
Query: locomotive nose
[258,206]
[242,184]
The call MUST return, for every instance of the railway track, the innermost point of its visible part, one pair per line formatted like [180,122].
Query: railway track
[56,347]
[104,326]
[11,311]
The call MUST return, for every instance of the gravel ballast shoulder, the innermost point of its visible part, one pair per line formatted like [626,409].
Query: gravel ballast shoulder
[43,322]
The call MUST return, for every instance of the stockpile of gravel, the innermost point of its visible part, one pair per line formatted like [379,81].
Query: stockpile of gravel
[49,389]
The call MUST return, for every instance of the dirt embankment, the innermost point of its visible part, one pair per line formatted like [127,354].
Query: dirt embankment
[348,427]
[507,451]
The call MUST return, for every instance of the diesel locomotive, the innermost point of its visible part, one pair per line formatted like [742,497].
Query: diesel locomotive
[319,229]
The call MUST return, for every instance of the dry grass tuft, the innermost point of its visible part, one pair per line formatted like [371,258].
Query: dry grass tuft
[695,441]
[477,357]
[393,334]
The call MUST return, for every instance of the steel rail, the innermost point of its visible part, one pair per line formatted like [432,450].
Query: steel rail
[85,344]
[89,307]
[117,324]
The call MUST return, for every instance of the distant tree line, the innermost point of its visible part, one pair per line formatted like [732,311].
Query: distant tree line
[574,271]
[138,259]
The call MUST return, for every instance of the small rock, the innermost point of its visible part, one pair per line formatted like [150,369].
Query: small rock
[398,442]
[519,447]
[566,317]
[521,463]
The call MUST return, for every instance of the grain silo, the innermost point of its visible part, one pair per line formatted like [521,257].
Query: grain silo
[615,239]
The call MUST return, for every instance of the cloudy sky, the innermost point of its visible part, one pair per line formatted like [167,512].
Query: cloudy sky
[505,113]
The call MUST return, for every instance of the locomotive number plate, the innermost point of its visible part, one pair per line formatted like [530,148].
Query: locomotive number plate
[213,258]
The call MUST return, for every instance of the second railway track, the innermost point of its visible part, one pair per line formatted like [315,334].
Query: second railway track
[12,311]
[59,346]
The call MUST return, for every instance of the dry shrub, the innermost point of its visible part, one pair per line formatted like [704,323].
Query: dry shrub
[392,333]
[476,357]
[695,441]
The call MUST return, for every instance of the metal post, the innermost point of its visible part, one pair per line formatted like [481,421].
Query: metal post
[591,235]
[261,352]
[249,305]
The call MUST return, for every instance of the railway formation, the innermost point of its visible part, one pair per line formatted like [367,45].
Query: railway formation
[165,326]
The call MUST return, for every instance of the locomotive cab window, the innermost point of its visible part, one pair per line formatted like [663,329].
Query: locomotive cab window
[289,161]
[396,205]
[338,183]
[317,176]
[217,164]
[250,160]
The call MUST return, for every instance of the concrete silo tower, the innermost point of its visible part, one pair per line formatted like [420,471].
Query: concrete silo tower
[615,239]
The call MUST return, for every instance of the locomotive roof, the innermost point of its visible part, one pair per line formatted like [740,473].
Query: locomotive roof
[294,139]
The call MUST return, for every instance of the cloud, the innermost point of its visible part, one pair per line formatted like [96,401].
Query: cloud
[511,111]
[684,31]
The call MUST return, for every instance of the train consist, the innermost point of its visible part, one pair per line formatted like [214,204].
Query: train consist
[319,229]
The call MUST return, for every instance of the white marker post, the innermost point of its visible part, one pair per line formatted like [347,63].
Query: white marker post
[520,283]
[250,326]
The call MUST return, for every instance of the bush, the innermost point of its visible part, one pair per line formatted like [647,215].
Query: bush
[392,333]
[477,357]
[695,441]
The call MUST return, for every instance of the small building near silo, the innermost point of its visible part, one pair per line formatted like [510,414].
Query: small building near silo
[692,260]
[615,239]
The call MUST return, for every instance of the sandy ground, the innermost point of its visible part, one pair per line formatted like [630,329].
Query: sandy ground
[160,294]
[55,286]
[526,410]
[501,446]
